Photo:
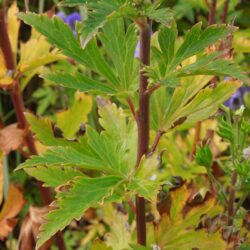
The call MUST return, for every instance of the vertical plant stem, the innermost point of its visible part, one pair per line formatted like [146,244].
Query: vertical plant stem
[230,210]
[225,12]
[143,125]
[19,107]
[212,12]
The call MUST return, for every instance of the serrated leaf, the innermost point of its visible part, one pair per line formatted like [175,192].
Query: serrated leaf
[171,65]
[177,231]
[53,176]
[79,82]
[76,114]
[121,51]
[99,13]
[42,127]
[196,41]
[211,65]
[78,154]
[114,122]
[93,150]
[83,194]
[190,103]
[162,15]
[146,181]
[57,33]
[40,55]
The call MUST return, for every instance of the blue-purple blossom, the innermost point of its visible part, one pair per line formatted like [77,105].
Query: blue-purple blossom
[237,99]
[70,19]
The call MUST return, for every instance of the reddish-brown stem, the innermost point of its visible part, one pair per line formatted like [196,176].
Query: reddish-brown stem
[5,43]
[212,12]
[230,210]
[19,107]
[157,140]
[132,206]
[132,108]
[225,12]
[143,125]
[151,90]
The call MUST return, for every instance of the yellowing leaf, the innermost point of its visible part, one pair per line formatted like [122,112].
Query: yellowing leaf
[11,209]
[13,27]
[178,229]
[100,246]
[241,41]
[119,236]
[5,80]
[70,120]
[40,55]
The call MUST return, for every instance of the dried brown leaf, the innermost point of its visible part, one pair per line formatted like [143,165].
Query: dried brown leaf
[30,228]
[11,209]
[11,138]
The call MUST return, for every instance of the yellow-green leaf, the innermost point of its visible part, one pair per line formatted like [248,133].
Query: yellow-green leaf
[76,114]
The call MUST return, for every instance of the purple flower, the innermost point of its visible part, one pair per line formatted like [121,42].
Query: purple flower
[70,19]
[237,99]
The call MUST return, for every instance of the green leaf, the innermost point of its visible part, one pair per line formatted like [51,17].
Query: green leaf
[123,132]
[71,204]
[72,3]
[169,67]
[99,13]
[78,155]
[190,103]
[146,181]
[112,151]
[196,41]
[79,82]
[166,39]
[57,32]
[53,176]
[109,152]
[76,114]
[121,52]
[204,156]
[225,129]
[163,15]
[42,127]
[211,65]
